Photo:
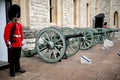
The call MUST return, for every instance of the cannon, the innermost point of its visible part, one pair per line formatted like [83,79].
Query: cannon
[105,33]
[93,36]
[53,43]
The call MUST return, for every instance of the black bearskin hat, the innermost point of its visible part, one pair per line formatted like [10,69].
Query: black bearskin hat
[105,23]
[14,12]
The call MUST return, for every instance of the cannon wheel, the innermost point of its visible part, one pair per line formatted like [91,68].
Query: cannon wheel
[72,43]
[96,37]
[50,44]
[86,42]
[102,37]
[110,35]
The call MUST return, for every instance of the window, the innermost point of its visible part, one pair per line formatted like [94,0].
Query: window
[53,11]
[116,19]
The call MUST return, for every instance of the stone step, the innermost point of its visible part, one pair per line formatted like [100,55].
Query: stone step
[3,65]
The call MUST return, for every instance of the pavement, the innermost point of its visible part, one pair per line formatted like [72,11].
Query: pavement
[105,65]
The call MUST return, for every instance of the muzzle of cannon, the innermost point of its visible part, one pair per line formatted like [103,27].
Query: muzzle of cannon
[53,43]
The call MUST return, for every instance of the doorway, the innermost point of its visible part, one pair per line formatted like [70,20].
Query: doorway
[3,21]
[99,20]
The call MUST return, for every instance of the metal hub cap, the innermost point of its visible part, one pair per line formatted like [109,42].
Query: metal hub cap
[84,38]
[51,44]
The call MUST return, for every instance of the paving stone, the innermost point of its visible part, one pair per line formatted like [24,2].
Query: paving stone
[56,73]
[106,77]
[27,76]
[118,77]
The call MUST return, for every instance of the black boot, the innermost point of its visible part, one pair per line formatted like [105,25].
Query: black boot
[12,74]
[21,71]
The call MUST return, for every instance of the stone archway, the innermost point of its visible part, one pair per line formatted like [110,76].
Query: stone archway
[116,20]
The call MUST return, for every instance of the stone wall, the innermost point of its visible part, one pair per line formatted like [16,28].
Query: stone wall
[39,14]
[115,6]
[29,39]
[109,7]
[36,13]
[83,13]
[67,13]
[104,7]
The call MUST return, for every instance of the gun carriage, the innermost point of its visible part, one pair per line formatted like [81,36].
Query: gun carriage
[53,43]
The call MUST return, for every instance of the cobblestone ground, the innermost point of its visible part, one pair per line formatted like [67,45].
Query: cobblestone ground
[105,66]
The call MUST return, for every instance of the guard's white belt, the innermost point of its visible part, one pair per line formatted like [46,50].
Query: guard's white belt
[17,36]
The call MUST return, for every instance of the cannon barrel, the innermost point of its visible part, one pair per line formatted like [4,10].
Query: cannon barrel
[73,35]
[113,30]
[108,31]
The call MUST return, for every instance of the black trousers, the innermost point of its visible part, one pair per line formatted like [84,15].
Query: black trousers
[14,55]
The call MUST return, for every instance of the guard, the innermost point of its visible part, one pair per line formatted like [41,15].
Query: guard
[13,37]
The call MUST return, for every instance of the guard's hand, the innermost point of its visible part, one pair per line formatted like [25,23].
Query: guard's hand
[8,45]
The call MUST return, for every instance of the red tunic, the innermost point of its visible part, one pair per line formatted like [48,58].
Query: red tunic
[18,33]
[105,26]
